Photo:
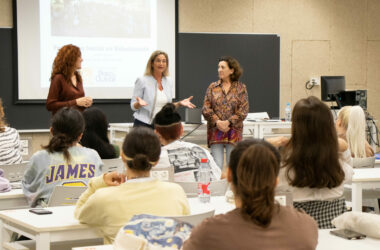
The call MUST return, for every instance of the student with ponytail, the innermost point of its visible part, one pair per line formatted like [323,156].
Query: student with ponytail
[113,198]
[258,222]
[63,161]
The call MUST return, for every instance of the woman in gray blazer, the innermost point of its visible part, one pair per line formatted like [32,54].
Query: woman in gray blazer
[153,90]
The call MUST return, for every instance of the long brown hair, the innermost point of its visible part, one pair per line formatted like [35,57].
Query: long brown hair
[311,156]
[255,165]
[3,124]
[67,125]
[65,62]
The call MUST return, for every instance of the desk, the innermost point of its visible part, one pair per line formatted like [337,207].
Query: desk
[44,229]
[327,241]
[62,226]
[363,178]
[255,129]
[13,199]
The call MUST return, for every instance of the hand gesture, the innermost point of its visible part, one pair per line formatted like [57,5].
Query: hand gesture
[113,178]
[187,103]
[141,102]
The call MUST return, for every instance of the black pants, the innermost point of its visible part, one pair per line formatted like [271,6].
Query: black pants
[138,123]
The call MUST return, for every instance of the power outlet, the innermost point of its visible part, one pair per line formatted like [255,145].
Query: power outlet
[314,81]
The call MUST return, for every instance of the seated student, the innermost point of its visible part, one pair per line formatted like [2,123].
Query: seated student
[185,157]
[258,222]
[311,167]
[62,162]
[351,126]
[95,134]
[109,202]
[9,142]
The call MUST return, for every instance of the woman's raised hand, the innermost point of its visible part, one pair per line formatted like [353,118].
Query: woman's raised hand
[141,102]
[187,103]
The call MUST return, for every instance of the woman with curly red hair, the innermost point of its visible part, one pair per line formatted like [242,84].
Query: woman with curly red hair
[66,88]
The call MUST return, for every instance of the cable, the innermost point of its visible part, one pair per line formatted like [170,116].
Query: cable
[309,85]
[369,134]
[183,137]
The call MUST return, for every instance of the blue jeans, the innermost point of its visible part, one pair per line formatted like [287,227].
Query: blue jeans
[217,151]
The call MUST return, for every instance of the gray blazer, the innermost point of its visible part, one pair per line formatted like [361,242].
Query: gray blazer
[146,89]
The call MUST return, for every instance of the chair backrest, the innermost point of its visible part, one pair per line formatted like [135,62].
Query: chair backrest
[110,165]
[26,148]
[65,196]
[194,219]
[217,188]
[14,172]
[368,162]
[284,198]
[163,174]
[190,188]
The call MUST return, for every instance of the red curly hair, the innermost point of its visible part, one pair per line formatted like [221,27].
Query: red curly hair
[65,62]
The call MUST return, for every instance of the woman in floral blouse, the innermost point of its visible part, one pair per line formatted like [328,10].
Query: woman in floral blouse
[225,107]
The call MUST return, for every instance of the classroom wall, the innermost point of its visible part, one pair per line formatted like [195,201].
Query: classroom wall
[318,37]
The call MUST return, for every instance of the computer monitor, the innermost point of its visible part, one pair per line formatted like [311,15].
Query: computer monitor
[332,86]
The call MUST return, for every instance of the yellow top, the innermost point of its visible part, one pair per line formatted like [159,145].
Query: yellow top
[110,208]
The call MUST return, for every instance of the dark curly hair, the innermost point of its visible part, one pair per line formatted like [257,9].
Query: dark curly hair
[233,64]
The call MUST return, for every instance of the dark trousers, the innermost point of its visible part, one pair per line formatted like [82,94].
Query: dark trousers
[138,123]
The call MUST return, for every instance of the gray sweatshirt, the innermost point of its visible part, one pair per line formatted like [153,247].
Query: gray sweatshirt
[47,170]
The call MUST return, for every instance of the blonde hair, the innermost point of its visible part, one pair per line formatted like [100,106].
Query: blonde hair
[3,124]
[149,65]
[356,132]
[343,116]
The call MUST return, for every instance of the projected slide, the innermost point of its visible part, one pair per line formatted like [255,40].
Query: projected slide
[116,38]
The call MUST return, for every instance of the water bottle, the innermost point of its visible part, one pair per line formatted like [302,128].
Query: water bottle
[204,177]
[288,112]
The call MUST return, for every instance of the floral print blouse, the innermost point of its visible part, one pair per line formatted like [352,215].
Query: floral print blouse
[232,106]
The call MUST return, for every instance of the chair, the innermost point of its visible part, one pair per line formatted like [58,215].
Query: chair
[14,172]
[217,188]
[65,196]
[368,162]
[163,174]
[26,148]
[110,165]
[284,198]
[194,219]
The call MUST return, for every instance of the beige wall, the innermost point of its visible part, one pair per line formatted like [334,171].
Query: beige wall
[6,14]
[318,37]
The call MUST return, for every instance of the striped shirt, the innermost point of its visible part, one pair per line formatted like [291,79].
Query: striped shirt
[10,147]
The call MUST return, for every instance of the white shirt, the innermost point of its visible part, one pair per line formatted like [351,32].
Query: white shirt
[185,157]
[161,100]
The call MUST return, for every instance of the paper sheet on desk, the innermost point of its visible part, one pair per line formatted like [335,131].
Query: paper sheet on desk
[257,116]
